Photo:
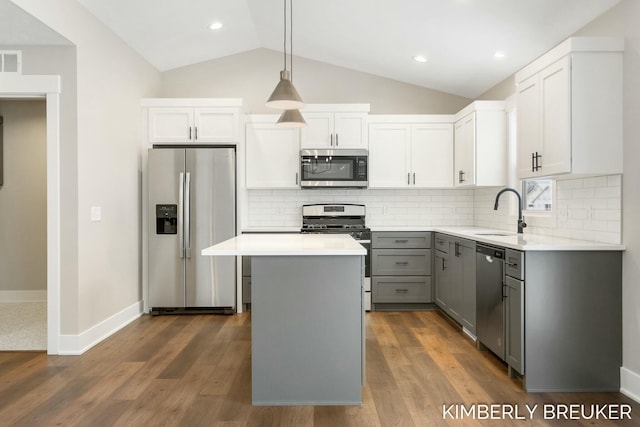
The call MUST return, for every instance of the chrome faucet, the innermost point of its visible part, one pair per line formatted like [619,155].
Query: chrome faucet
[521,223]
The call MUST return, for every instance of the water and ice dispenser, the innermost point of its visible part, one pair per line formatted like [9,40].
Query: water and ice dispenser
[166,219]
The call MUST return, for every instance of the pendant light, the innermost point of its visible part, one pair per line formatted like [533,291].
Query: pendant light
[285,96]
[291,119]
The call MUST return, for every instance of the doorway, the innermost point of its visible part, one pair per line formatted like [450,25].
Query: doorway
[23,232]
[47,88]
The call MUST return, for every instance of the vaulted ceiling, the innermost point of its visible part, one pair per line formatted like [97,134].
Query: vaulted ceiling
[457,37]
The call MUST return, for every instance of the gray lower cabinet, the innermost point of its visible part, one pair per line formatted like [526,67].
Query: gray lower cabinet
[455,279]
[400,269]
[442,272]
[246,280]
[514,314]
[394,289]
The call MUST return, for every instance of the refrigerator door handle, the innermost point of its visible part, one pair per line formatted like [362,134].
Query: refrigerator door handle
[187,216]
[181,216]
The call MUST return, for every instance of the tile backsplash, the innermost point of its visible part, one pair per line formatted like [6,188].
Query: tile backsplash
[585,208]
[387,208]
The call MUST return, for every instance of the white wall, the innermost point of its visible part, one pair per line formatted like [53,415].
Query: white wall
[23,197]
[111,80]
[253,75]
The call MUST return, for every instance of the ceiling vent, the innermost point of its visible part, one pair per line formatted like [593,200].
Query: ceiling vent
[11,61]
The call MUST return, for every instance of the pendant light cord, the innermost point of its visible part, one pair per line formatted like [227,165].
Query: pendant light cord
[285,34]
[291,35]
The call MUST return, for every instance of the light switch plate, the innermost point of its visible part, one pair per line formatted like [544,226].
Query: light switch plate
[96,213]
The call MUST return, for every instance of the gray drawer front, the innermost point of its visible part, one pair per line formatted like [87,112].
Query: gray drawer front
[514,264]
[246,266]
[401,240]
[401,262]
[246,290]
[441,243]
[400,289]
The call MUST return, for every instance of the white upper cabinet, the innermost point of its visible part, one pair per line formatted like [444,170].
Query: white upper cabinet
[481,145]
[431,155]
[272,154]
[569,110]
[335,126]
[464,154]
[389,155]
[410,151]
[191,121]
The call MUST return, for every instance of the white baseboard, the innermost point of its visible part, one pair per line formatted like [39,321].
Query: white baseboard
[23,296]
[78,344]
[630,384]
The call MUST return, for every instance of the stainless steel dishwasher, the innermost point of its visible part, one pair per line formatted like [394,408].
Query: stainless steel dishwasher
[490,305]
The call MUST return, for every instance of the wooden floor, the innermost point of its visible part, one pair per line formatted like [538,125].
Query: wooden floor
[196,371]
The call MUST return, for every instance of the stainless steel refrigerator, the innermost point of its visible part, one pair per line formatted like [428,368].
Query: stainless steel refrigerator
[192,205]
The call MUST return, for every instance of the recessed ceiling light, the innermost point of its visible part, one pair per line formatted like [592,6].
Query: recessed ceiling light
[499,54]
[216,25]
[420,58]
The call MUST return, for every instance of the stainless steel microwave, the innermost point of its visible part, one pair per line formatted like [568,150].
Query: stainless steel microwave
[333,168]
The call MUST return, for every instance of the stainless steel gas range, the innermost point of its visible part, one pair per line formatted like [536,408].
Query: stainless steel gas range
[344,219]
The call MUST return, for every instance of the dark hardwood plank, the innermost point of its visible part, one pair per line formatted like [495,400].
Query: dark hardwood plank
[196,371]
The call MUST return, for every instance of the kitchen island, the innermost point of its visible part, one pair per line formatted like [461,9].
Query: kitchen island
[307,317]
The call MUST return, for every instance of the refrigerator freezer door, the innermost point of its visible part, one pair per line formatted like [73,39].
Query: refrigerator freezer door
[210,281]
[166,268]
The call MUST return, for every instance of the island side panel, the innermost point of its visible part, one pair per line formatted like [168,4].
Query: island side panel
[306,330]
[573,321]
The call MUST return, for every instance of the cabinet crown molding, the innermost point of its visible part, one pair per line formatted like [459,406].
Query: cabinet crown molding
[569,46]
[191,102]
[411,118]
[480,106]
[336,108]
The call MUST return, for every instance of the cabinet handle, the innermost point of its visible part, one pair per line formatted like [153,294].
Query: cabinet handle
[533,162]
[414,178]
[461,176]
[408,179]
[457,250]
[402,262]
[538,157]
[195,133]
[401,241]
[403,291]
[296,178]
[504,294]
[331,141]
[189,133]
[444,267]
[336,139]
[512,264]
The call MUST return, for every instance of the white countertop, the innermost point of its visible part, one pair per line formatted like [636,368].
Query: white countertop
[274,244]
[526,242]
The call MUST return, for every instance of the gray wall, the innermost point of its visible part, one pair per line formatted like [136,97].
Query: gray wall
[23,197]
[254,74]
